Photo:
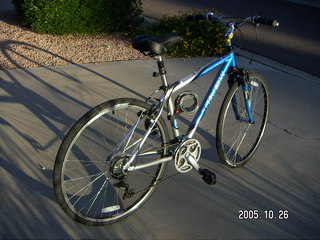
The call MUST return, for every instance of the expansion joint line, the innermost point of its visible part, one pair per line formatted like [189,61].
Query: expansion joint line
[294,134]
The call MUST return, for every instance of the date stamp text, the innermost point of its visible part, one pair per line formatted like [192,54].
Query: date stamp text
[254,214]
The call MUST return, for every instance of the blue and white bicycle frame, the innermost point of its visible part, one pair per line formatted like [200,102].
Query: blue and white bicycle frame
[227,62]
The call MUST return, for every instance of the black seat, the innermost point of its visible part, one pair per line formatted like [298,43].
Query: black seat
[157,45]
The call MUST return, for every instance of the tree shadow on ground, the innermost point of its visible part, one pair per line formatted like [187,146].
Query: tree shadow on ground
[32,125]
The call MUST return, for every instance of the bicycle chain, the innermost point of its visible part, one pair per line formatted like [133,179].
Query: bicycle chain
[157,183]
[161,180]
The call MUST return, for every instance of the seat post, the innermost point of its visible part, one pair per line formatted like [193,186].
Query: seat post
[162,70]
[165,87]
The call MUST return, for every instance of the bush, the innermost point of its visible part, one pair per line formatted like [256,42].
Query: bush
[200,38]
[79,16]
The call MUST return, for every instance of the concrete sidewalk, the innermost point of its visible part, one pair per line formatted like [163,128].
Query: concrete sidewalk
[39,105]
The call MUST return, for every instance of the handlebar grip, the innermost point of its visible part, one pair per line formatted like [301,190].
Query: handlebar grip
[266,21]
[195,17]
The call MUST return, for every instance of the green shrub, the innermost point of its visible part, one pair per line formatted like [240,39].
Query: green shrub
[79,16]
[200,38]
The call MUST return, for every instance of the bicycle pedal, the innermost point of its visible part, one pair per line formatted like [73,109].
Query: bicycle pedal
[207,176]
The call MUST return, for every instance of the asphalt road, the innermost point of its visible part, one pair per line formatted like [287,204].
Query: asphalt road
[295,42]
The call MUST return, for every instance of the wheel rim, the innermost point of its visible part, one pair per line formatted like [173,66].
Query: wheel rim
[240,139]
[87,185]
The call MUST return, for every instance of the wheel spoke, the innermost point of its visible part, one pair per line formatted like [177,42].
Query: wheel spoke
[237,140]
[89,180]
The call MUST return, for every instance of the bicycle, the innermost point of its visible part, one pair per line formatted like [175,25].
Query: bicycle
[113,158]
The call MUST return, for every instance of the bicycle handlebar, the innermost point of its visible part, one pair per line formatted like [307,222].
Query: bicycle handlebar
[265,21]
[206,17]
[254,20]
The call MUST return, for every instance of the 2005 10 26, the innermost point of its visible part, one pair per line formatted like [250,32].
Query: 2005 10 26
[253,214]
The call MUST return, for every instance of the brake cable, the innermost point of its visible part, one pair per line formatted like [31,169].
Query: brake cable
[255,45]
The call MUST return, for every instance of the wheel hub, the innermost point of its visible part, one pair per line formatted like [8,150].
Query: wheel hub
[118,161]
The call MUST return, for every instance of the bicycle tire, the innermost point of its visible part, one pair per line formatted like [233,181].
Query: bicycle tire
[238,140]
[83,182]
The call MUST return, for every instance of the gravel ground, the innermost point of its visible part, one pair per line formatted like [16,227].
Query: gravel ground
[22,48]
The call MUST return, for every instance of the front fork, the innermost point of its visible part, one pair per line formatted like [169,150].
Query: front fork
[242,76]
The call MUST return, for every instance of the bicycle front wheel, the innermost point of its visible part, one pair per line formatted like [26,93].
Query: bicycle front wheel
[88,179]
[237,139]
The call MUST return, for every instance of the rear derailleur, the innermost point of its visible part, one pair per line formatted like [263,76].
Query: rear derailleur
[116,170]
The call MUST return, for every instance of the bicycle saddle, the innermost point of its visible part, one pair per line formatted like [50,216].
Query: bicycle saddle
[155,44]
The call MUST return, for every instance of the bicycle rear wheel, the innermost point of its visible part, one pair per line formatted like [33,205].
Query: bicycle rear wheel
[88,180]
[237,139]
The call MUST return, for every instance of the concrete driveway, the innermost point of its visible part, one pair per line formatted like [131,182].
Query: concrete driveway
[39,105]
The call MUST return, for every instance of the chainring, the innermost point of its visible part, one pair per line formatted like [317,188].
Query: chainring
[187,149]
